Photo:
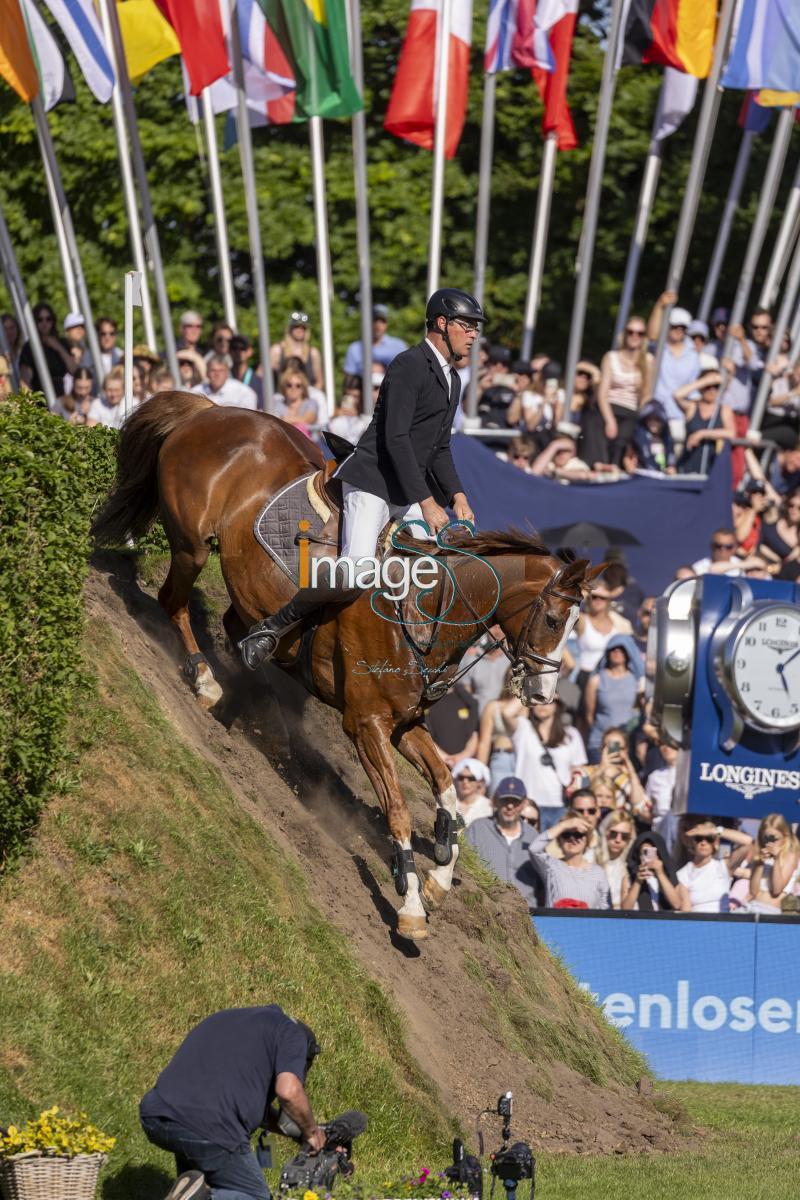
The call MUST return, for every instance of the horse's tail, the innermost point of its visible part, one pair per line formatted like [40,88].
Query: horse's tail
[131,507]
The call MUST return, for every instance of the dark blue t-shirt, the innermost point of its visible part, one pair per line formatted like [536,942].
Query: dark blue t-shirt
[222,1078]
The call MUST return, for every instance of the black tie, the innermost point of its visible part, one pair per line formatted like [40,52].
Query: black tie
[455,386]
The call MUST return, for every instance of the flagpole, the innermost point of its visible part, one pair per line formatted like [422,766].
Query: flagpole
[22,308]
[785,312]
[712,95]
[482,225]
[128,189]
[439,138]
[766,203]
[218,208]
[644,211]
[359,130]
[541,228]
[40,122]
[151,240]
[783,245]
[251,204]
[726,224]
[62,217]
[324,277]
[583,264]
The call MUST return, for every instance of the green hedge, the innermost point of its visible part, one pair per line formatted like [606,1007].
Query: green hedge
[52,477]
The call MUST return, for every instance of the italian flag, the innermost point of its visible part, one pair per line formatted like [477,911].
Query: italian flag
[313,36]
[412,106]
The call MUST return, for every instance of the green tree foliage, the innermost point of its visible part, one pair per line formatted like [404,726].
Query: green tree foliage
[399,192]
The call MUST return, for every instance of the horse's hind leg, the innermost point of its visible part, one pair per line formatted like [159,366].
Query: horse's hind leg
[173,597]
[371,740]
[416,746]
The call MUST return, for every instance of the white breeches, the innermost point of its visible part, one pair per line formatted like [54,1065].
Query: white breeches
[365,515]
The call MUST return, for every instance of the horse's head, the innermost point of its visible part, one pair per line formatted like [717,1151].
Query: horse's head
[537,630]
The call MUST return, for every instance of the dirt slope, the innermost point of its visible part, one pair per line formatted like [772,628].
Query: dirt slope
[486,1008]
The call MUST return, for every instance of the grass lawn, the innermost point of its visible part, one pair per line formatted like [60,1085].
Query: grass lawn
[749,1149]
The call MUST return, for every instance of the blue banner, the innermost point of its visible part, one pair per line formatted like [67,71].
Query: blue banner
[668,521]
[715,999]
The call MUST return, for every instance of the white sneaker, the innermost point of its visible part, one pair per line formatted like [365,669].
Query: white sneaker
[191,1185]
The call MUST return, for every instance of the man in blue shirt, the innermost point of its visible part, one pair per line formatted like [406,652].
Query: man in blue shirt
[218,1088]
[384,346]
[680,363]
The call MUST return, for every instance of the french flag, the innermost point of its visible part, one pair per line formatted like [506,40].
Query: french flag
[551,47]
[412,105]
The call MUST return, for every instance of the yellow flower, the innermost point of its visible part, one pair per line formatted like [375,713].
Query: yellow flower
[310,1196]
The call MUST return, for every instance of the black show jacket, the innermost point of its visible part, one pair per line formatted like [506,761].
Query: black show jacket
[403,455]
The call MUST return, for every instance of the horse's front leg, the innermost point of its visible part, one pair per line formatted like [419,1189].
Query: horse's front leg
[417,746]
[370,735]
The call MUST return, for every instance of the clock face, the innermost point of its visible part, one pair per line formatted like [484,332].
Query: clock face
[765,667]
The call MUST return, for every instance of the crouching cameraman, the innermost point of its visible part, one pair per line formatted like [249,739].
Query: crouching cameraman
[218,1089]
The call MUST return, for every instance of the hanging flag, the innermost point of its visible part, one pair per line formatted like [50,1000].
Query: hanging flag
[675,102]
[198,24]
[766,49]
[147,36]
[270,83]
[78,22]
[674,33]
[501,27]
[313,35]
[554,27]
[16,61]
[769,98]
[753,116]
[54,83]
[412,105]
[268,103]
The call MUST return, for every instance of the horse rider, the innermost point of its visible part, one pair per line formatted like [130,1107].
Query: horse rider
[402,467]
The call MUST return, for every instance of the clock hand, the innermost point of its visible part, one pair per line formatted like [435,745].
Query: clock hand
[791,658]
[782,674]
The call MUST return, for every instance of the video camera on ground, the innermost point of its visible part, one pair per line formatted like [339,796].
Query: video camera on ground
[511,1164]
[319,1172]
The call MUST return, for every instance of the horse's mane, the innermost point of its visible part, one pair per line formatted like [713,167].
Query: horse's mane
[485,541]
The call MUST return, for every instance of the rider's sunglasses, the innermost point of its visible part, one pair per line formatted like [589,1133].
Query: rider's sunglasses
[467,326]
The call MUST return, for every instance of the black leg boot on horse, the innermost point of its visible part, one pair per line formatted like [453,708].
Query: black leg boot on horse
[259,645]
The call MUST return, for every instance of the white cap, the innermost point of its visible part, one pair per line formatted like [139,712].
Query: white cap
[680,316]
[73,320]
[475,767]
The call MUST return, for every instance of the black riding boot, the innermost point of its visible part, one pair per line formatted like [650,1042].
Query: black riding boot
[259,645]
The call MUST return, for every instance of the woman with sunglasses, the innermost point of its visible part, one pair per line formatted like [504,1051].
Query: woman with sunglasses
[592,443]
[296,343]
[293,402]
[625,378]
[546,749]
[652,884]
[705,880]
[708,422]
[616,836]
[471,779]
[780,538]
[570,876]
[56,354]
[776,868]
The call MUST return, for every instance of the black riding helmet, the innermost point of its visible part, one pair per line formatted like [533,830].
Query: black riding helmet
[450,303]
[453,304]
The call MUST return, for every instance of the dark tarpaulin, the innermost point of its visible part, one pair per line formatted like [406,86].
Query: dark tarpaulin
[672,518]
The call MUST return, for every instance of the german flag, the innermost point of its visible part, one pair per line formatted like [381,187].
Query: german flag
[671,33]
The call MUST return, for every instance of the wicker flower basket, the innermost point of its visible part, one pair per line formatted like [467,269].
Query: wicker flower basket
[36,1176]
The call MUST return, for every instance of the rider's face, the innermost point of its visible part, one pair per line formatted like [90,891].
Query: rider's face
[462,334]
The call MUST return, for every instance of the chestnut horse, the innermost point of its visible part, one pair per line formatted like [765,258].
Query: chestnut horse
[207,471]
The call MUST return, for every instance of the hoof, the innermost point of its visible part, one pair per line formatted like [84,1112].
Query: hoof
[207,690]
[433,894]
[414,928]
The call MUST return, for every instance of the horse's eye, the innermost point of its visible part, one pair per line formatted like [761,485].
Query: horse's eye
[550,621]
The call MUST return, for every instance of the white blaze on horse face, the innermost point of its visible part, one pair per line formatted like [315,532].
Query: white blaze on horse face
[548,682]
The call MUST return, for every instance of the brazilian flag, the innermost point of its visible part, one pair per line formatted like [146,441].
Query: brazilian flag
[313,36]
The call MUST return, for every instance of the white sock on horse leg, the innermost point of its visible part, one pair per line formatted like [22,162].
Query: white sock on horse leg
[444,875]
[412,904]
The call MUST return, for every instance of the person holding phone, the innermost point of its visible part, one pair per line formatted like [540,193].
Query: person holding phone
[616,837]
[705,881]
[776,868]
[652,884]
[616,767]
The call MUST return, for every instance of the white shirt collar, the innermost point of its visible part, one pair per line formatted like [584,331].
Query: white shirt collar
[443,363]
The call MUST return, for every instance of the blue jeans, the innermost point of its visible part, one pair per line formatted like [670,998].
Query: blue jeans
[231,1174]
[548,816]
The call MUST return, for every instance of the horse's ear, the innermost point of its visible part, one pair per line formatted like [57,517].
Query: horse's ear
[575,569]
[590,576]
